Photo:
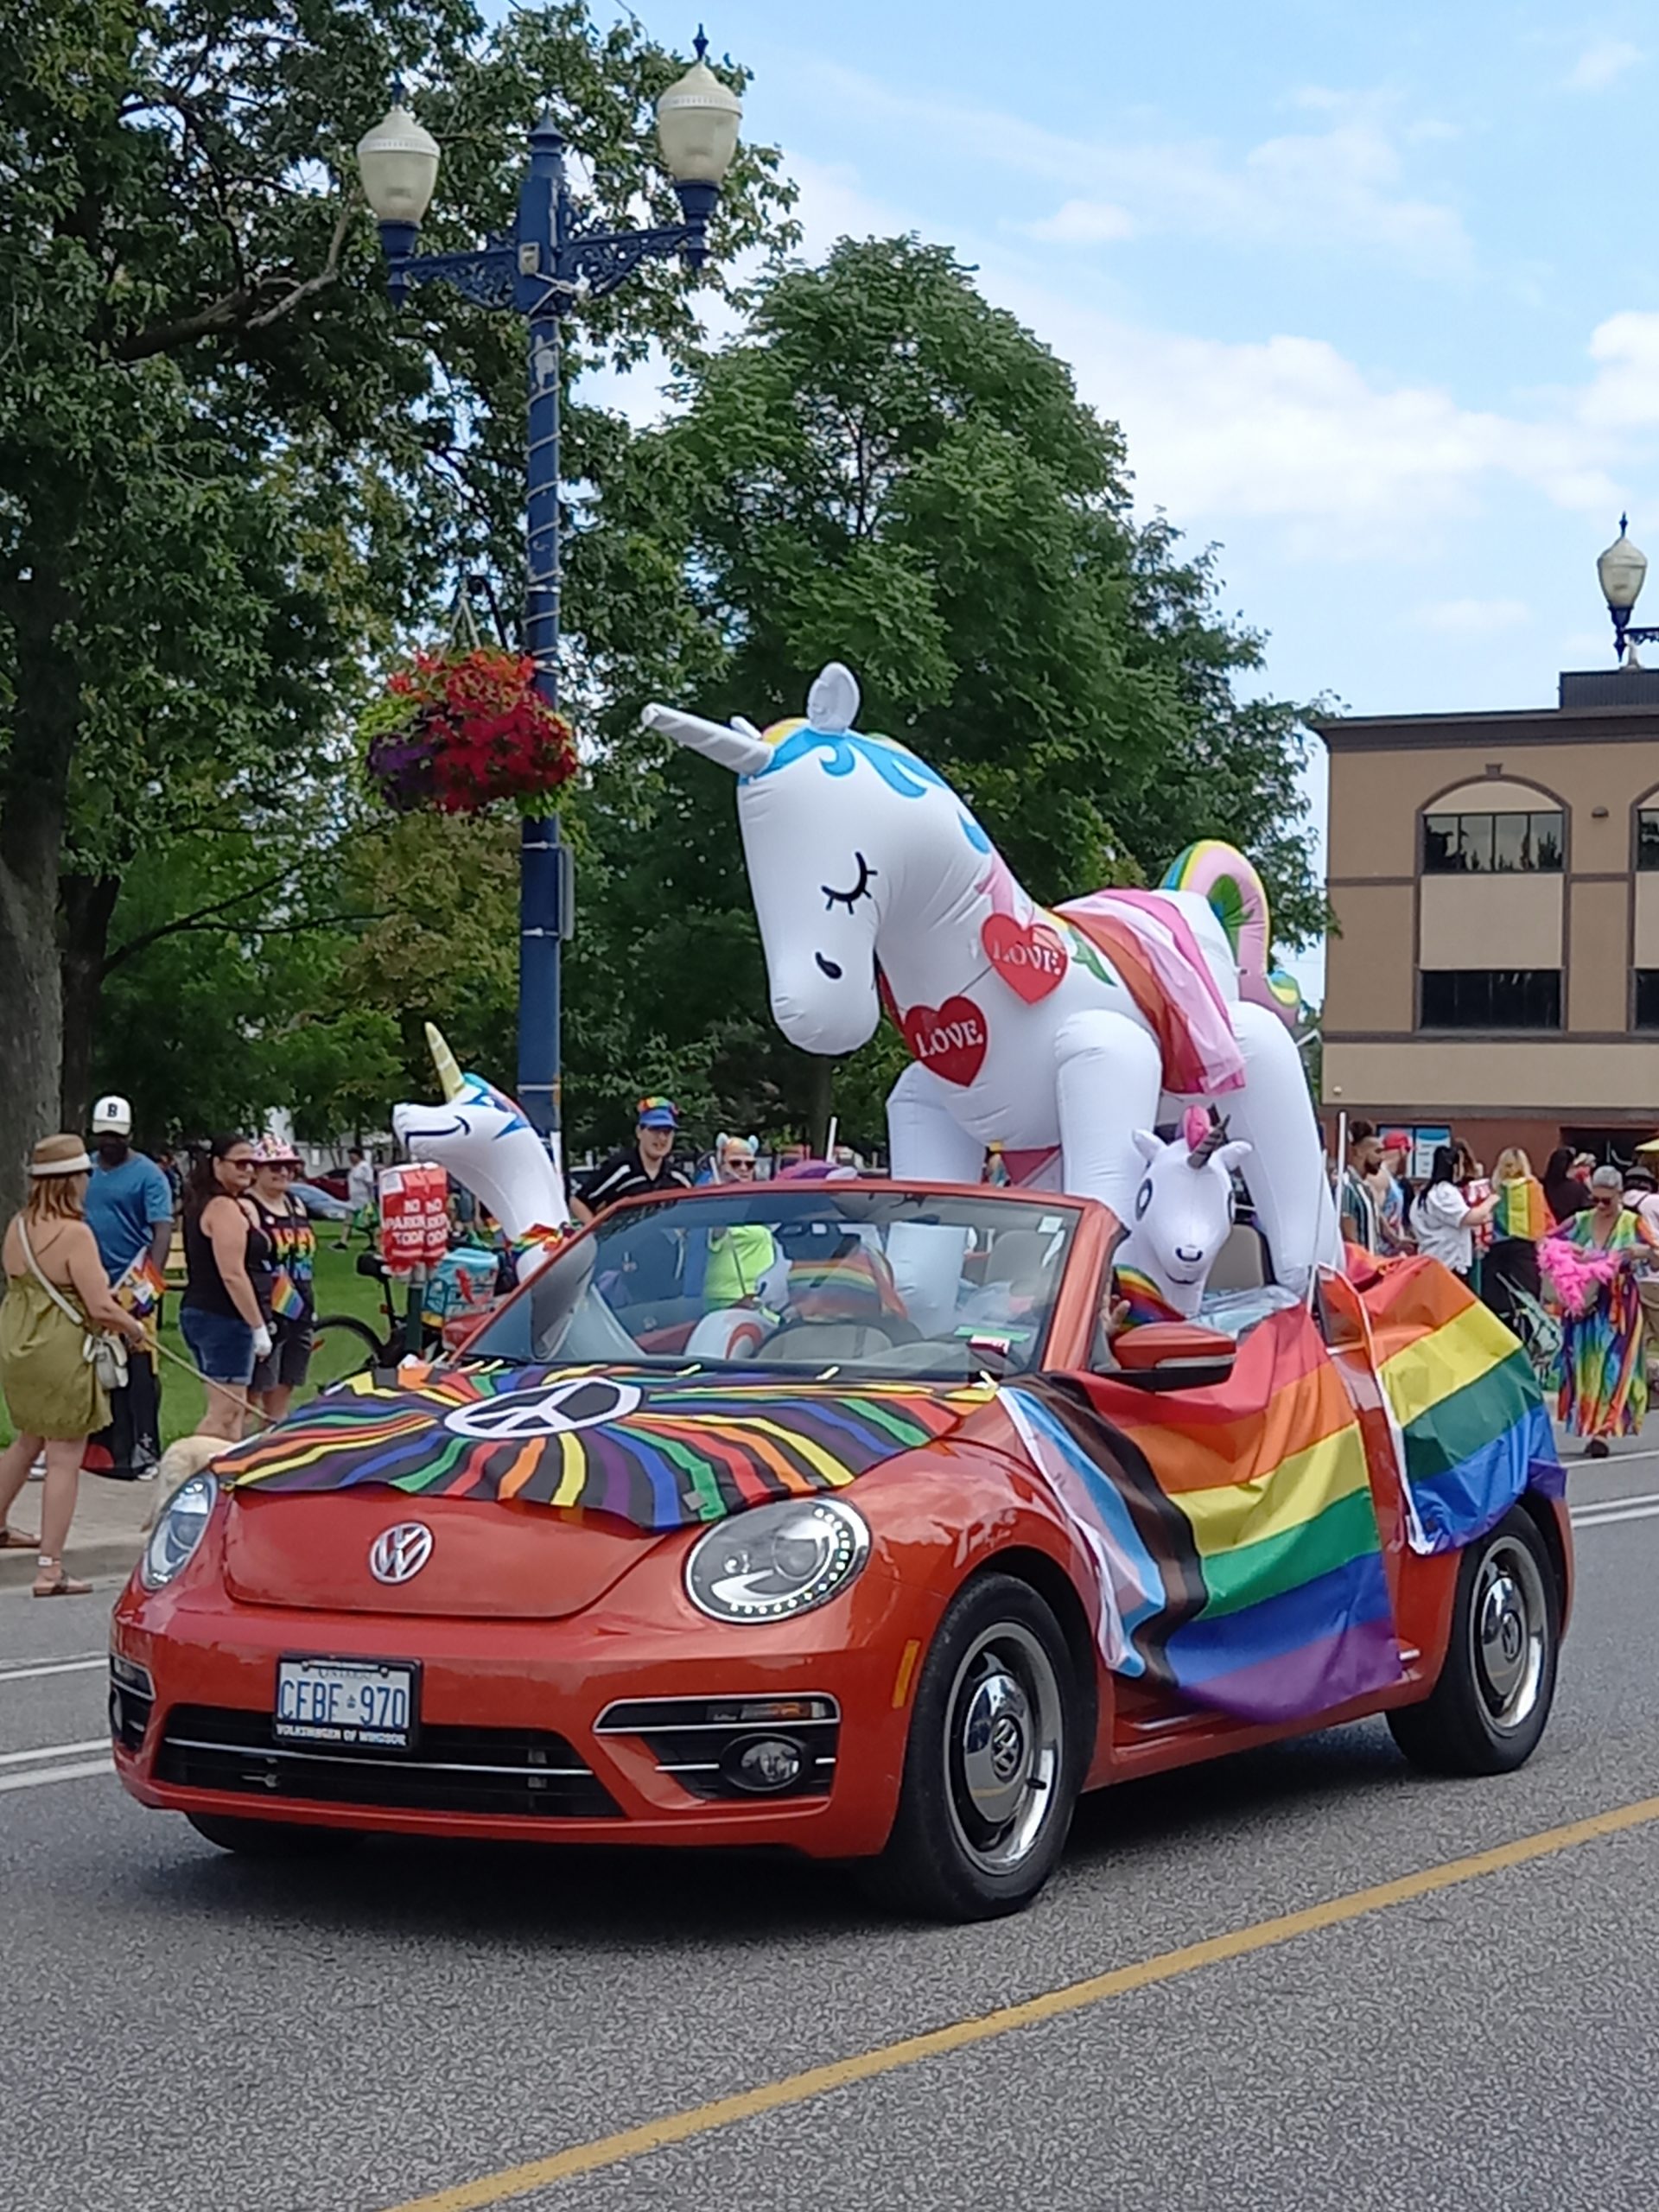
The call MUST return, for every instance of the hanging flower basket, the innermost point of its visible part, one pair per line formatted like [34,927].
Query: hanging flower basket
[461,729]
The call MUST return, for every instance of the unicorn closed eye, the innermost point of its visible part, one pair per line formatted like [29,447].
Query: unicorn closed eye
[1055,1034]
[482,1137]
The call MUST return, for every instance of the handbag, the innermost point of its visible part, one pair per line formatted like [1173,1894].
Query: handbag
[105,1354]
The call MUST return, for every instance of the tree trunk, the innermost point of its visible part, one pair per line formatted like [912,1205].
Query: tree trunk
[820,1100]
[86,905]
[33,785]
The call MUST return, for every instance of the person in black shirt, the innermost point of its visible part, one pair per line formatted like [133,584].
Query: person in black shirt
[647,1165]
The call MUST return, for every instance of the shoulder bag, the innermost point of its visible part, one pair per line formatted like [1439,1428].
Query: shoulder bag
[105,1354]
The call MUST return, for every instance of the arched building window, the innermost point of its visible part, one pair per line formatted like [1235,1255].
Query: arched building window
[1491,911]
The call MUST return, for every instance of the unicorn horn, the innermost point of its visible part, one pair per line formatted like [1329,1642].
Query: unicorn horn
[449,1073]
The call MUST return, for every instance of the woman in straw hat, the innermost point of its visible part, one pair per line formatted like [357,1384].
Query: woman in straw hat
[57,1294]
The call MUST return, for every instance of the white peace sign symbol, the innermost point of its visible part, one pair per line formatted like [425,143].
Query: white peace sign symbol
[580,1402]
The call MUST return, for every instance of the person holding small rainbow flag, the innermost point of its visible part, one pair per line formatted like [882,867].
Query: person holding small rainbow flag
[1521,1218]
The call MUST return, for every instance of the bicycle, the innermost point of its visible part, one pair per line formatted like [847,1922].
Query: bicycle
[343,1344]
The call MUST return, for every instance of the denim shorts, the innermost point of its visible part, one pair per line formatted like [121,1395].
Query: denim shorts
[221,1345]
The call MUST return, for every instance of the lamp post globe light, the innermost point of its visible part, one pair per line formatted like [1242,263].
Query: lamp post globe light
[1622,569]
[538,269]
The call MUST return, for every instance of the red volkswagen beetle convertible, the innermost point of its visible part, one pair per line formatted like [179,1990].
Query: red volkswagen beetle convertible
[831,1517]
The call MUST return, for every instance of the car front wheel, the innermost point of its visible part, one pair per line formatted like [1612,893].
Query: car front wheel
[993,1764]
[1488,1710]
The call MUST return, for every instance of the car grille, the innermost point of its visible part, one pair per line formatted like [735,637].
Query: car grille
[699,1741]
[132,1700]
[506,1771]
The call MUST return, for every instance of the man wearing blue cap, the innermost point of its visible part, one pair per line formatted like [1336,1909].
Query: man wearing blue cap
[645,1167]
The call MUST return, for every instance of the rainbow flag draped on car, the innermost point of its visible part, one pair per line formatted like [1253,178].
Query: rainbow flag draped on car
[1241,1562]
[1470,1419]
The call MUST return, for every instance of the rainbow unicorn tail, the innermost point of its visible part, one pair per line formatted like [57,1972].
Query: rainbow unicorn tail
[1238,899]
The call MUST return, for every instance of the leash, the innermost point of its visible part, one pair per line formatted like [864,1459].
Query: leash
[238,1398]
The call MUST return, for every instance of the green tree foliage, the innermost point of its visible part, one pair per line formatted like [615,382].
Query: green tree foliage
[885,470]
[226,471]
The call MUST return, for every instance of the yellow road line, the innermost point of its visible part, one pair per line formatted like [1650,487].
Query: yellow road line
[1053,2005]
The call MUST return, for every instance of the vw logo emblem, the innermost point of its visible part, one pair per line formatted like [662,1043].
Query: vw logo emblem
[519,1416]
[398,1554]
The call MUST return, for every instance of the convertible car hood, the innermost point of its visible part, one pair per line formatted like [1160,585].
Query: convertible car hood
[511,1563]
[646,1450]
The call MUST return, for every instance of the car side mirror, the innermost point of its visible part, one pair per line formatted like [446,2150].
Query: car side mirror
[1173,1355]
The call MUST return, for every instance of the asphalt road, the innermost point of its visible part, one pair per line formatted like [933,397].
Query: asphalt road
[181,2029]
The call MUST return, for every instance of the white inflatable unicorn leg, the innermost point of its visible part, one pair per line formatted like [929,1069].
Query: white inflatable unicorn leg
[925,1140]
[1106,1080]
[924,1136]
[1286,1172]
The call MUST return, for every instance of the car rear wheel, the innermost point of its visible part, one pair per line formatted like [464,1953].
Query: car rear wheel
[1488,1710]
[271,1838]
[994,1763]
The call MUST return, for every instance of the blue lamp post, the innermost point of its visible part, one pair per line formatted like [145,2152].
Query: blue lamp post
[1622,569]
[542,268]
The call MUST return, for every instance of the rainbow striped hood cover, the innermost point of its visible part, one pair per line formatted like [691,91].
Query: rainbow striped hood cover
[1234,1528]
[663,1452]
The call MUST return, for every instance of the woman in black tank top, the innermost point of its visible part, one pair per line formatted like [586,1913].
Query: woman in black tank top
[221,1316]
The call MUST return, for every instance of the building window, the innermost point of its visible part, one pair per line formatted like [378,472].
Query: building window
[1501,844]
[1647,998]
[1491,998]
[1647,837]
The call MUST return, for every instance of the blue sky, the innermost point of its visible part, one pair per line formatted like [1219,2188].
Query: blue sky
[1373,292]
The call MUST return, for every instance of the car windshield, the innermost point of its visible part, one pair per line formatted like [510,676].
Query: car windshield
[886,1281]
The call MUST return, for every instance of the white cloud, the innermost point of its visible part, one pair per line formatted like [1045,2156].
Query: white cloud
[1625,391]
[1470,618]
[1602,60]
[1337,185]
[1085,222]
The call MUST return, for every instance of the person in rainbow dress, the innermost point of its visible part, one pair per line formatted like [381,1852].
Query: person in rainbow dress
[1604,1375]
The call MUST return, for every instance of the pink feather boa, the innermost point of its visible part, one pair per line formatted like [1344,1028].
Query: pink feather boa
[1576,1275]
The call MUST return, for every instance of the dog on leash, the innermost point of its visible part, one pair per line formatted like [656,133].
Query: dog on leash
[187,1457]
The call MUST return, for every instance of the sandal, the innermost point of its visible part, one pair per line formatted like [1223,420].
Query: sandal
[13,1540]
[53,1582]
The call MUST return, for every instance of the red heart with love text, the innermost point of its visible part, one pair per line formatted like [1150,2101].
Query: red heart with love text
[948,1038]
[1029,958]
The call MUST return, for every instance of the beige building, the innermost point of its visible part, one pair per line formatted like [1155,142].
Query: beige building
[1495,883]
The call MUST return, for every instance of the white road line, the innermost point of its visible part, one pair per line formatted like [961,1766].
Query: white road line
[1600,1505]
[53,1667]
[54,1752]
[1605,1519]
[79,1772]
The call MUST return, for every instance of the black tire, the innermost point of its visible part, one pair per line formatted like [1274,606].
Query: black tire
[342,1345]
[998,1687]
[271,1838]
[1489,1708]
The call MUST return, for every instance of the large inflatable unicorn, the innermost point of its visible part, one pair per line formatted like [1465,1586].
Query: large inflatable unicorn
[1055,1034]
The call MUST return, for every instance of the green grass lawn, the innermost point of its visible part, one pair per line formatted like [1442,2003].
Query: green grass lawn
[341,1289]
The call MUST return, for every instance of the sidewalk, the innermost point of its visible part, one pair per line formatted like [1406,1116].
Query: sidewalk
[105,1536]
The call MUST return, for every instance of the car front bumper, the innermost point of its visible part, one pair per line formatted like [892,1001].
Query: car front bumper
[511,1744]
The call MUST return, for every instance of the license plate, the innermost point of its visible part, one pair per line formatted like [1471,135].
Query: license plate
[369,1704]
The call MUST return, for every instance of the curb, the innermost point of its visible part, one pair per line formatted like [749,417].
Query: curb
[102,1555]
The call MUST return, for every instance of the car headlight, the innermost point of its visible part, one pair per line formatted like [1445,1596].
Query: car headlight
[777,1560]
[182,1525]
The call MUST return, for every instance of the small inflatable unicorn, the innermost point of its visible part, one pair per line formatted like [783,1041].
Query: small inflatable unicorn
[482,1137]
[1183,1216]
[1055,1034]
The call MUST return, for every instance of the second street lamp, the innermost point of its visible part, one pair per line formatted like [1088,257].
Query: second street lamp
[540,269]
[1622,570]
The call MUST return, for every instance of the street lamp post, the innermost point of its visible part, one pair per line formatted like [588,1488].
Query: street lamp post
[1622,569]
[541,268]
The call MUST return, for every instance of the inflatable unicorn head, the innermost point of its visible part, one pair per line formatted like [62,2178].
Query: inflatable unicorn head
[1183,1216]
[483,1139]
[842,833]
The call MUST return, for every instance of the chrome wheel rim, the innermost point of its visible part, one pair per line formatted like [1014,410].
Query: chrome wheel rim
[1005,1747]
[1509,1628]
